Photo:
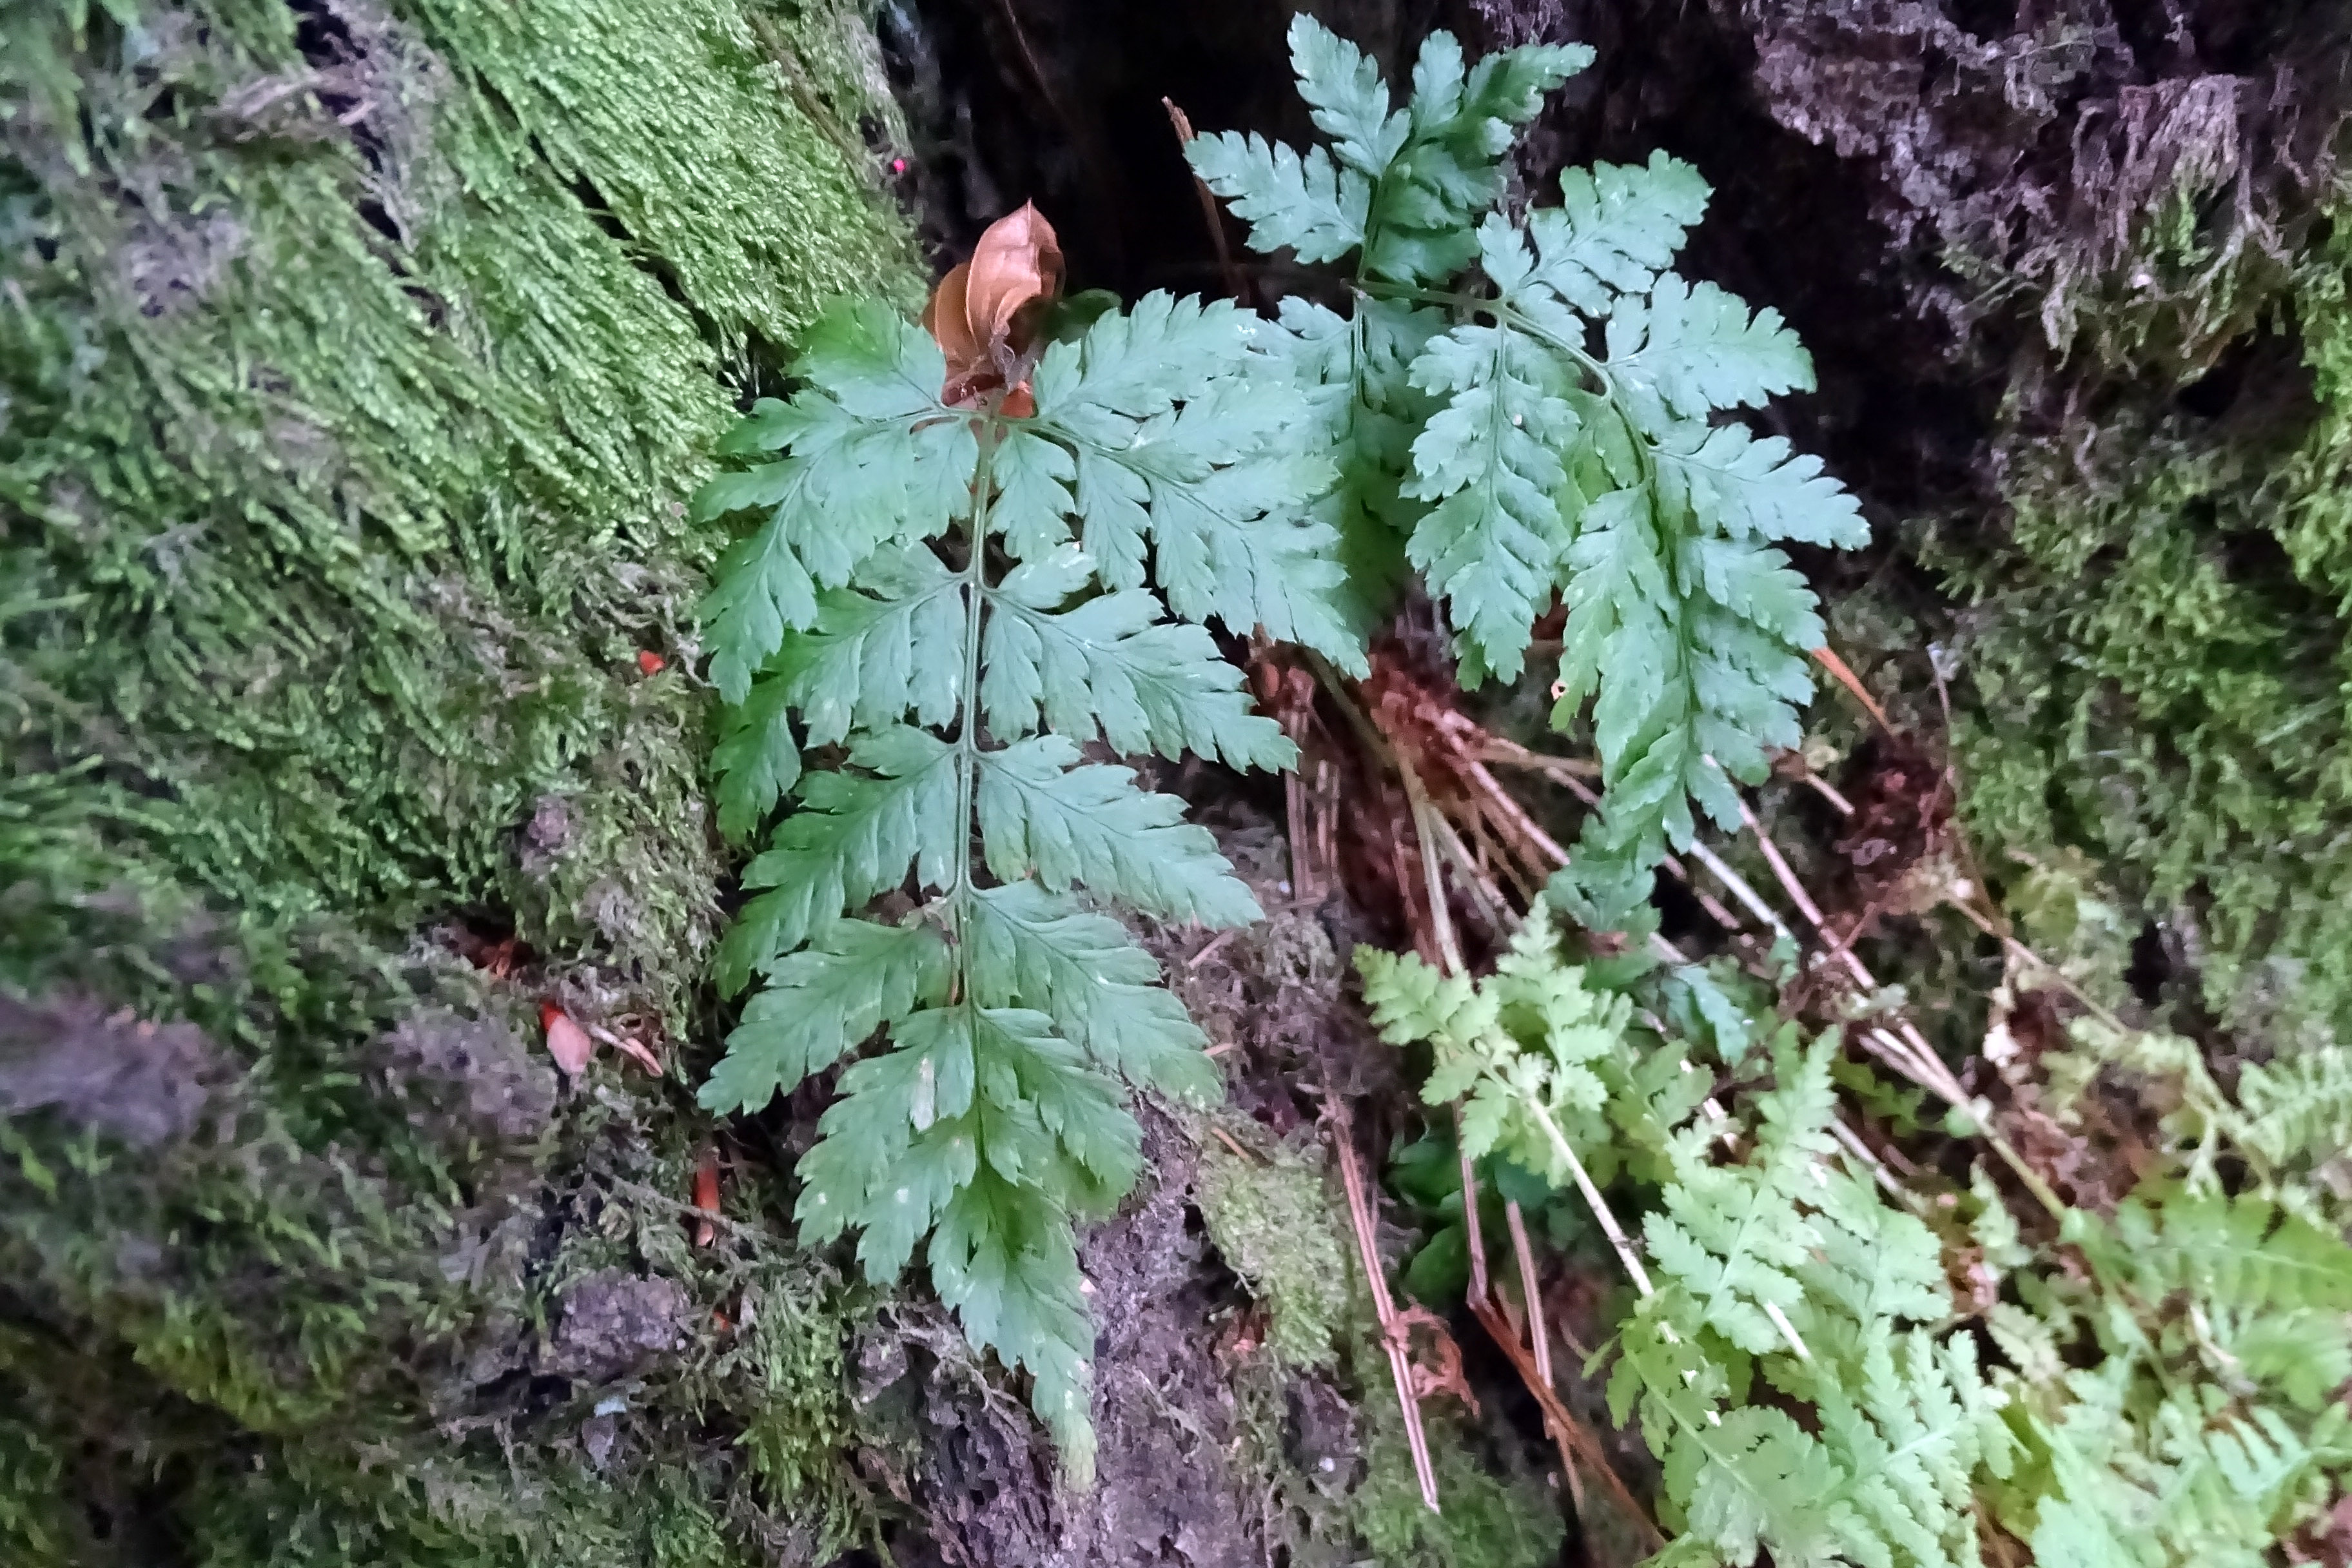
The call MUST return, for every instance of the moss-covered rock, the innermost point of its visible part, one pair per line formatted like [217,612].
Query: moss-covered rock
[356,359]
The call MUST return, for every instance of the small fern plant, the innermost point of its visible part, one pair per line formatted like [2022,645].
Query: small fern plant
[1524,406]
[940,605]
[1778,1263]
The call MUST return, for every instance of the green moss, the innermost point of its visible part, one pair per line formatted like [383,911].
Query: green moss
[356,375]
[1486,1520]
[357,360]
[1272,1217]
[2159,646]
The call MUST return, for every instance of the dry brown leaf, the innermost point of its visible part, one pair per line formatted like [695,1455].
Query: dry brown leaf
[567,1042]
[985,312]
[637,1052]
[706,1196]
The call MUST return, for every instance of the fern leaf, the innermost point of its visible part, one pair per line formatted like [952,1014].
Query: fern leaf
[1017,1018]
[860,667]
[1411,1001]
[1100,989]
[1754,488]
[1449,169]
[1003,1258]
[2244,1252]
[1488,457]
[2299,1107]
[1733,1238]
[1112,664]
[756,761]
[1616,228]
[1220,485]
[1130,365]
[760,589]
[854,836]
[1306,205]
[873,457]
[1684,349]
[1346,97]
[1033,503]
[1039,813]
[1358,377]
[1910,1434]
[822,1003]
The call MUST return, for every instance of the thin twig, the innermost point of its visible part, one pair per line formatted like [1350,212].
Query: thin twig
[1600,1207]
[1568,1434]
[1480,887]
[1851,1141]
[1828,792]
[1828,661]
[1383,1305]
[1905,1049]
[1786,874]
[1211,946]
[1528,1288]
[1740,890]
[1515,814]
[1510,753]
[1236,282]
[1473,1228]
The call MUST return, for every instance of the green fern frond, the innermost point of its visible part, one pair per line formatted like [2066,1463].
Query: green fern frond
[2299,1107]
[1514,462]
[963,689]
[2245,1252]
[1520,1050]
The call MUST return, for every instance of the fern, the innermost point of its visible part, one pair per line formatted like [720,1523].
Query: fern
[2298,1108]
[1781,1261]
[950,601]
[1517,1051]
[1487,441]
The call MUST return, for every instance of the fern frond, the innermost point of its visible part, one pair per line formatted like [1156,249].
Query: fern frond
[1346,97]
[1732,1237]
[1616,228]
[2245,1252]
[963,692]
[1538,465]
[1488,459]
[1220,484]
[2195,1484]
[2298,1108]
[1308,204]
[870,457]
[1448,170]
[1041,813]
[1111,663]
[1520,1050]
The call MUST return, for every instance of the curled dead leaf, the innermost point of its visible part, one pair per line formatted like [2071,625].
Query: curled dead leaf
[637,1052]
[985,313]
[567,1042]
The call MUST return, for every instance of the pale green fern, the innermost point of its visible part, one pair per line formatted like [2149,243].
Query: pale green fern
[1780,1262]
[951,603]
[1528,407]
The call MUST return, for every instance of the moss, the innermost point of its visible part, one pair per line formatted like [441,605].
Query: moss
[1486,1519]
[358,357]
[2159,646]
[358,363]
[1271,1216]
